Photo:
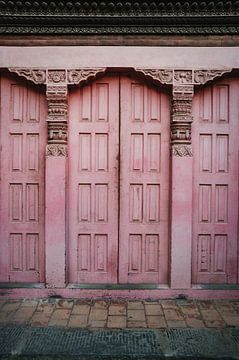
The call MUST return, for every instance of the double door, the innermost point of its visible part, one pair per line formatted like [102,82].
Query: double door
[118,191]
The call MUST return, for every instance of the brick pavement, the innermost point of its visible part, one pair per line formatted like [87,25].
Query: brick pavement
[121,314]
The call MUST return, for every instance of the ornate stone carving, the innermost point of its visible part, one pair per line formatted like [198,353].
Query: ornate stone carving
[201,77]
[56,76]
[37,76]
[56,150]
[57,99]
[57,132]
[57,102]
[181,120]
[164,76]
[207,17]
[180,132]
[182,150]
[183,77]
[77,76]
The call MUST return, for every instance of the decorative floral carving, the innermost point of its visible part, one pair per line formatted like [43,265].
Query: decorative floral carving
[182,150]
[203,76]
[183,76]
[56,76]
[37,76]
[77,76]
[56,150]
[164,76]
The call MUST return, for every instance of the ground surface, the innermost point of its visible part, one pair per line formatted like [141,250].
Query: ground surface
[58,328]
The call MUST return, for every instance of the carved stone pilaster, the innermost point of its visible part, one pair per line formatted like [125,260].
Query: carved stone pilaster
[57,99]
[181,118]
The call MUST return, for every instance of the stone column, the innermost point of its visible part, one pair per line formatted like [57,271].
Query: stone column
[181,161]
[56,153]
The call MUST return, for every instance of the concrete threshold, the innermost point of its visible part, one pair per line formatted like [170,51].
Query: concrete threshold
[25,342]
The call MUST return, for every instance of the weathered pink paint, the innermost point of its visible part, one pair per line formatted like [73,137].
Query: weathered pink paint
[93,182]
[55,221]
[144,183]
[215,189]
[23,137]
[181,220]
[108,210]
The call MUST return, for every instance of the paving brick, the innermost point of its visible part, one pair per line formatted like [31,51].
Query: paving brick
[78,321]
[206,304]
[2,302]
[40,319]
[168,304]
[29,303]
[151,302]
[210,314]
[136,315]
[11,306]
[116,322]
[100,304]
[173,314]
[45,308]
[23,315]
[156,322]
[136,324]
[174,324]
[81,309]
[190,309]
[95,324]
[194,322]
[64,304]
[117,309]
[154,309]
[214,323]
[231,320]
[98,314]
[60,317]
[136,305]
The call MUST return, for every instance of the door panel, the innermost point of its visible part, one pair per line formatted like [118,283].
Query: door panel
[23,139]
[93,182]
[144,184]
[215,192]
[115,206]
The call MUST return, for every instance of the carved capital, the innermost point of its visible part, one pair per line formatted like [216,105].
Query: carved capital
[164,76]
[182,150]
[56,150]
[56,76]
[183,77]
[77,76]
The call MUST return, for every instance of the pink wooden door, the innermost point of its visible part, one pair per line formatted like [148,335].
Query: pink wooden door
[23,138]
[215,192]
[93,182]
[144,184]
[114,206]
